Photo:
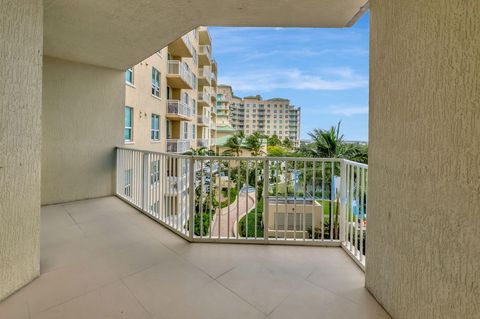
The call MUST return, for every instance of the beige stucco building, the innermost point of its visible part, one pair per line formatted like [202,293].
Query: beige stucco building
[170,97]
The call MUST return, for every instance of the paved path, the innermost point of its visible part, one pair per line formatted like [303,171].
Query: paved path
[227,225]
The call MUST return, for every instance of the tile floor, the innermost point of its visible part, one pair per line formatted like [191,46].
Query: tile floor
[101,258]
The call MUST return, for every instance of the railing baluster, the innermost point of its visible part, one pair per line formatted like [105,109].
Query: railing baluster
[313,199]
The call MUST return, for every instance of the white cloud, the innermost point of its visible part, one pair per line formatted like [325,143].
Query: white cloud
[271,79]
[347,110]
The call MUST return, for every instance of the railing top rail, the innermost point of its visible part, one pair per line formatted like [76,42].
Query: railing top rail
[247,158]
[356,163]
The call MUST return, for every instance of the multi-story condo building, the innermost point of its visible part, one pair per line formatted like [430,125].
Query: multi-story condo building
[169,96]
[252,114]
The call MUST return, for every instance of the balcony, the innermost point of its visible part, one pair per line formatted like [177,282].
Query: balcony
[204,99]
[202,142]
[213,126]
[178,145]
[213,79]
[204,55]
[204,76]
[178,110]
[179,76]
[182,47]
[204,36]
[203,120]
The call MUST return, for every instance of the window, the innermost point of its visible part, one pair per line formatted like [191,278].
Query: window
[185,130]
[127,188]
[129,76]
[194,106]
[154,171]
[128,132]
[193,131]
[169,129]
[155,132]
[155,82]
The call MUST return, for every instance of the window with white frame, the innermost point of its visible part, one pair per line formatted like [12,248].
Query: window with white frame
[155,82]
[129,76]
[128,131]
[185,130]
[155,130]
[154,171]
[194,128]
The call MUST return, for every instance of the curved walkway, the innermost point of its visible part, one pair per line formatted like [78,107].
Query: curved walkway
[227,219]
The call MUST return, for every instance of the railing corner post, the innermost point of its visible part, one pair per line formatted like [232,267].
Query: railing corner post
[343,199]
[266,173]
[191,197]
[145,181]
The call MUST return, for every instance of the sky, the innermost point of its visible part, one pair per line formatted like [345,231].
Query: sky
[324,71]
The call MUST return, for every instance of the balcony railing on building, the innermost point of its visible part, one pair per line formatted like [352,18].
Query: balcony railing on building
[204,98]
[203,120]
[204,76]
[182,47]
[178,110]
[178,145]
[299,201]
[213,125]
[204,55]
[179,76]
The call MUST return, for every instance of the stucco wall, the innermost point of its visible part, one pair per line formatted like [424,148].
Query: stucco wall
[82,121]
[20,138]
[423,242]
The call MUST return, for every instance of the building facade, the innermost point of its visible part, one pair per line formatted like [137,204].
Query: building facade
[270,117]
[169,97]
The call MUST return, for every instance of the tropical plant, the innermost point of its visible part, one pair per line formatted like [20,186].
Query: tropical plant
[254,143]
[287,143]
[234,144]
[201,151]
[273,141]
[276,151]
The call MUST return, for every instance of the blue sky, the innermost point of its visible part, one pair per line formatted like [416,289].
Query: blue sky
[325,71]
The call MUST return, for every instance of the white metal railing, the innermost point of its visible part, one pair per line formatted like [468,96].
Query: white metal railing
[178,145]
[206,50]
[205,73]
[213,77]
[180,68]
[301,201]
[176,107]
[213,126]
[202,119]
[188,43]
[204,96]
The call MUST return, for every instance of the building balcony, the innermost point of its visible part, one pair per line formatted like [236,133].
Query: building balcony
[203,120]
[213,126]
[204,99]
[204,36]
[204,76]
[178,110]
[204,55]
[179,76]
[213,79]
[178,145]
[182,47]
[202,142]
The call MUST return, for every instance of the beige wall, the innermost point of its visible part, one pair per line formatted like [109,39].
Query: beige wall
[20,139]
[82,121]
[423,242]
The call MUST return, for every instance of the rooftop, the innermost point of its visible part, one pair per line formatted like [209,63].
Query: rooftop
[103,257]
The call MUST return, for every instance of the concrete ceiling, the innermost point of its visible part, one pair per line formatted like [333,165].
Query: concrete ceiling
[120,33]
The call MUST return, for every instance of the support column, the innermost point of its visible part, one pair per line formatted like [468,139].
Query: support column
[423,247]
[21,38]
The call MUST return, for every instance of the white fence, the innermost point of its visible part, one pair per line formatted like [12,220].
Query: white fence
[300,201]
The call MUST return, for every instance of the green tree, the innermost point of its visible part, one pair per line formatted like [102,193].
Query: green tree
[201,151]
[234,144]
[328,144]
[254,143]
[287,143]
[276,151]
[273,141]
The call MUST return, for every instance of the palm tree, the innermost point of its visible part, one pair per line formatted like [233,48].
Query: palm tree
[273,141]
[254,144]
[235,144]
[328,143]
